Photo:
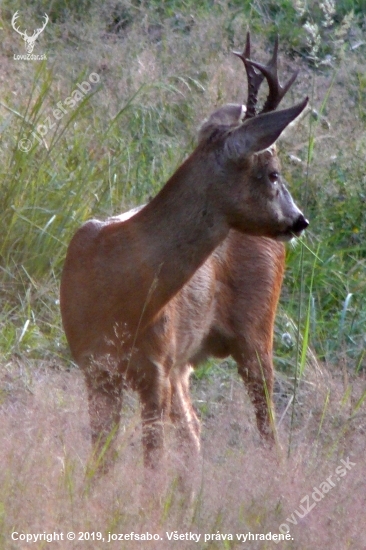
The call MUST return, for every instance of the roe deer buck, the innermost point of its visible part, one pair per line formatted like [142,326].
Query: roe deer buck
[196,272]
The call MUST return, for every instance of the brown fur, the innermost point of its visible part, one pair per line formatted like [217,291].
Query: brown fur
[148,295]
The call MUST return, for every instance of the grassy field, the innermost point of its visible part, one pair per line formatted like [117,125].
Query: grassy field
[147,74]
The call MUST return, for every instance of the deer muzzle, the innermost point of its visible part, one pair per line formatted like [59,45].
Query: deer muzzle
[300,225]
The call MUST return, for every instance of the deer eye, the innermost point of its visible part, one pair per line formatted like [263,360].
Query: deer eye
[274,177]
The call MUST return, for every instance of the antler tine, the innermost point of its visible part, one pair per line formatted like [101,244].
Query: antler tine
[254,77]
[276,90]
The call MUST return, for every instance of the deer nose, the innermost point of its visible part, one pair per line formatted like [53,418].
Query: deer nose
[300,224]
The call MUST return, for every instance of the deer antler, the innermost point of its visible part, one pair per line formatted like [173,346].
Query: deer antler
[13,21]
[37,32]
[254,77]
[276,90]
[269,71]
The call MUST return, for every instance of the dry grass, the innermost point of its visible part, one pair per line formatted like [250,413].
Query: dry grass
[243,487]
[44,430]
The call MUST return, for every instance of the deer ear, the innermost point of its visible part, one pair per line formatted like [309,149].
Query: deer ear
[260,132]
[230,115]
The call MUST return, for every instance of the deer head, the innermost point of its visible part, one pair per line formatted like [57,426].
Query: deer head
[29,40]
[248,151]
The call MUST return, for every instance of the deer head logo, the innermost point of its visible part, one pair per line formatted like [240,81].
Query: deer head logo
[29,40]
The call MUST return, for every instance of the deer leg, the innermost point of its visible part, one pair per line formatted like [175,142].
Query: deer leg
[105,401]
[183,414]
[187,427]
[256,369]
[153,386]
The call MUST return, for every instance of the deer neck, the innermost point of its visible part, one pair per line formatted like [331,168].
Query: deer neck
[174,234]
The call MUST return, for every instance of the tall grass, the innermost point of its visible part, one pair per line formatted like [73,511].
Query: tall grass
[161,72]
[118,145]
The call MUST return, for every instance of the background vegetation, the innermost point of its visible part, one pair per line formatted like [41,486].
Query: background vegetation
[163,67]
